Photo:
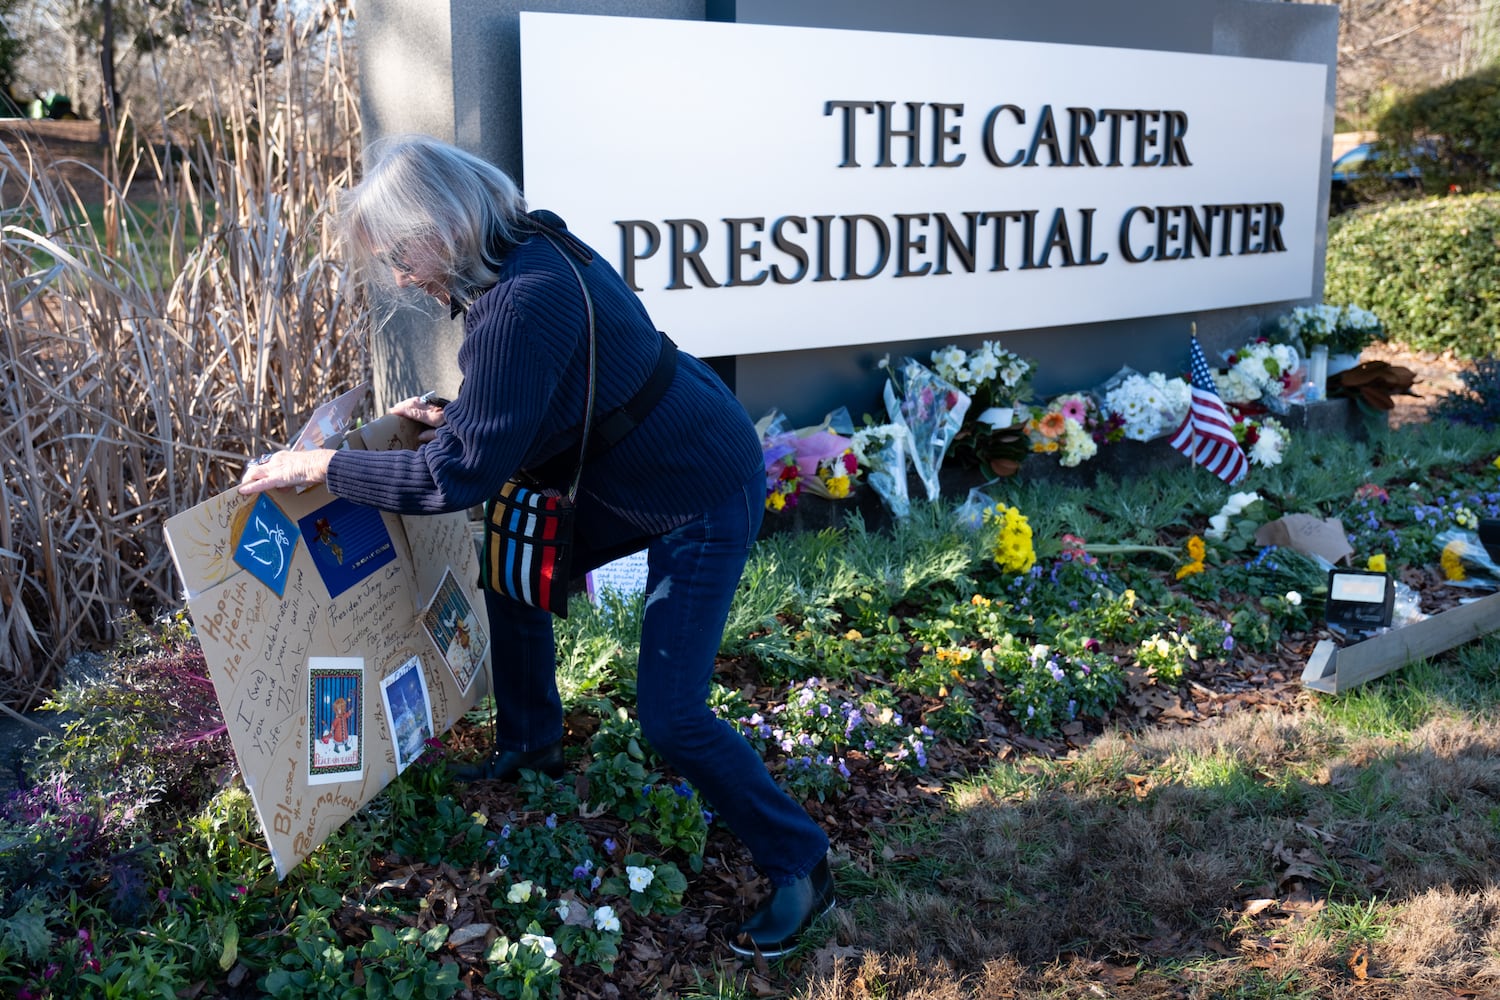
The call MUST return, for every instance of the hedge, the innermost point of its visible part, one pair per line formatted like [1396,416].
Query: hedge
[1430,269]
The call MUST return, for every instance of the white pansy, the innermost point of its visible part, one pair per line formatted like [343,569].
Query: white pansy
[639,877]
[519,893]
[1293,598]
[605,920]
[540,942]
[1239,501]
[1218,526]
[563,909]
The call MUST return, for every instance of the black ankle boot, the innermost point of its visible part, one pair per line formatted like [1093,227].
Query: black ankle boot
[505,765]
[774,929]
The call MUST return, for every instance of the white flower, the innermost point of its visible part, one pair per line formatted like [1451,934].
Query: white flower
[1293,598]
[640,878]
[1238,502]
[563,909]
[1218,526]
[540,942]
[1077,445]
[519,893]
[1269,446]
[949,363]
[983,368]
[605,920]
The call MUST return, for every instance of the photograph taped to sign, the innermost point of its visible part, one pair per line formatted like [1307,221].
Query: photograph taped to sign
[409,711]
[264,542]
[348,542]
[336,699]
[456,631]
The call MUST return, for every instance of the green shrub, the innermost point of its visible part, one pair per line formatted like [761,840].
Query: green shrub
[1457,127]
[1426,268]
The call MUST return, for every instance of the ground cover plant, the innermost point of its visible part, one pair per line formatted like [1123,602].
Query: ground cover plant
[1053,757]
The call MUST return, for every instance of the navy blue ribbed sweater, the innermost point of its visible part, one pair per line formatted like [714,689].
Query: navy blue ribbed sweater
[524,361]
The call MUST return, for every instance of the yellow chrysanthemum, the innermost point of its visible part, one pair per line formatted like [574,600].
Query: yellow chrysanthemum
[1196,549]
[1453,561]
[838,487]
[1183,572]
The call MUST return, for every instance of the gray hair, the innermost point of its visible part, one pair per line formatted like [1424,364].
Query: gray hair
[442,211]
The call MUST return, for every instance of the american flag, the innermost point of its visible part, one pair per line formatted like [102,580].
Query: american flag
[1207,433]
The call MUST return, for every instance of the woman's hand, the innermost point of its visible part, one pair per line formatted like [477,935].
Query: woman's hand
[281,469]
[426,409]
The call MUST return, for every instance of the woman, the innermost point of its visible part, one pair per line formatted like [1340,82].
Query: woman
[685,482]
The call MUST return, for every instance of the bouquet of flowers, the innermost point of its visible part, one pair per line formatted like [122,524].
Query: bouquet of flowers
[1148,406]
[778,451]
[1263,439]
[826,463]
[931,409]
[1260,372]
[991,376]
[1066,428]
[1341,329]
[880,453]
[996,381]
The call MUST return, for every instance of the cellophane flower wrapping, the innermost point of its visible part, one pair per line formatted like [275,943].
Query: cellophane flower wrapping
[932,410]
[1464,560]
[880,451]
[826,463]
[1146,406]
[1261,373]
[778,449]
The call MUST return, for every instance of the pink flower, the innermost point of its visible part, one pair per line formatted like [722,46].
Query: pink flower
[1074,409]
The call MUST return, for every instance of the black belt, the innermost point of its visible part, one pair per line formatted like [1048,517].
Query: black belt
[610,429]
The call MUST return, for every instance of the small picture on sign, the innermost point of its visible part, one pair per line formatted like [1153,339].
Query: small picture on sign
[336,696]
[456,630]
[264,543]
[348,542]
[409,711]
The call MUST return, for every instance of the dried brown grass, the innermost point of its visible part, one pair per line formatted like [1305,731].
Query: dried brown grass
[1119,875]
[141,367]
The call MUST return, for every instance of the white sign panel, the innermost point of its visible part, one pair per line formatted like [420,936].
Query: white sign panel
[772,188]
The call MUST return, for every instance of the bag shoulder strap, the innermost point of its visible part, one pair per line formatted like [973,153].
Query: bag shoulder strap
[588,406]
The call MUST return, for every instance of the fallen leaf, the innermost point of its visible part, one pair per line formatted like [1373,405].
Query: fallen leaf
[469,933]
[1359,962]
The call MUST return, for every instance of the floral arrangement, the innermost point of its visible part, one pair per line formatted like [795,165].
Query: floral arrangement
[1066,428]
[1260,372]
[931,409]
[993,377]
[1147,406]
[1263,439]
[879,452]
[997,381]
[819,460]
[779,453]
[1014,551]
[1341,329]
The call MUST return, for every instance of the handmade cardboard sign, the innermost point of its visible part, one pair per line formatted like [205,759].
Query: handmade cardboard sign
[338,639]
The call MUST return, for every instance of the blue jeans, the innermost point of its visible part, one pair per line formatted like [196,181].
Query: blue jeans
[691,578]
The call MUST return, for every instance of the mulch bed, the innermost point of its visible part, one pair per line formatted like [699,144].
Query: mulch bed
[663,954]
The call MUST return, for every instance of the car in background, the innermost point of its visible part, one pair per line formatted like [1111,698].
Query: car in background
[1360,169]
